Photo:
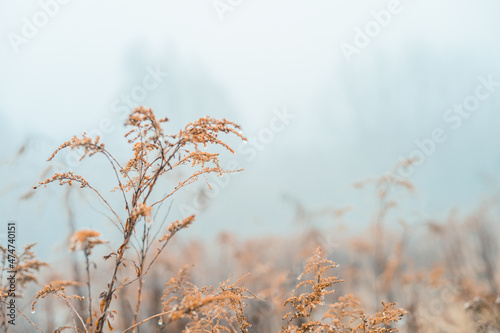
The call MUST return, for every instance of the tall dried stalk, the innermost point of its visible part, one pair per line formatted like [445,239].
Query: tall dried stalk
[154,154]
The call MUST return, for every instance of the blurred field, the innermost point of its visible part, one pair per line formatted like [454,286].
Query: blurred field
[429,276]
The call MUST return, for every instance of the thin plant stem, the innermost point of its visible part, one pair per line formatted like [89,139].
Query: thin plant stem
[88,287]
[22,314]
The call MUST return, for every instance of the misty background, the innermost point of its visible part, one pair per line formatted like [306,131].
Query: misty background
[349,120]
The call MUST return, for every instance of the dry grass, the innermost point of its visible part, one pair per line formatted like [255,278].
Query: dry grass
[443,275]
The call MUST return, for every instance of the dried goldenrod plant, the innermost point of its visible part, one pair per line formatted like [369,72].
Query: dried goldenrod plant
[305,303]
[155,153]
[58,289]
[343,316]
[206,309]
[25,265]
[347,316]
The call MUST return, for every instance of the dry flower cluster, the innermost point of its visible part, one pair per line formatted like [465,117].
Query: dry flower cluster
[345,315]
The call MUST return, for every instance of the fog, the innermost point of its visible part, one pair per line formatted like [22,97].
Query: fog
[324,103]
